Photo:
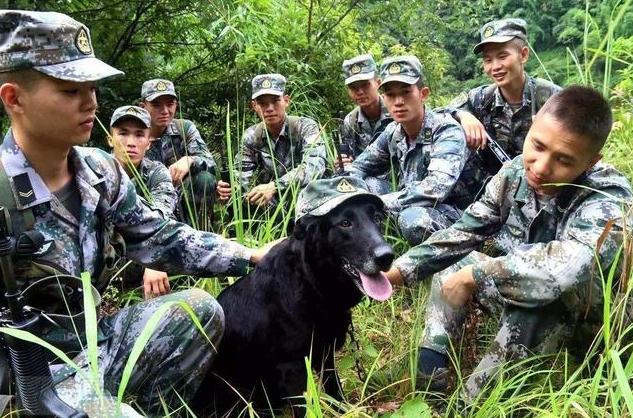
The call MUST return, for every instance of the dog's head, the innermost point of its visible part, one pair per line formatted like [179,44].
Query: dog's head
[349,239]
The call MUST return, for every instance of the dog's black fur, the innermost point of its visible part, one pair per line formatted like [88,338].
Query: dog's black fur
[294,305]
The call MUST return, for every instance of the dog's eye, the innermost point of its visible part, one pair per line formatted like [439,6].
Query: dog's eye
[345,223]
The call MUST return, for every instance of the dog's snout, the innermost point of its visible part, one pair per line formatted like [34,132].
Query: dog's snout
[383,256]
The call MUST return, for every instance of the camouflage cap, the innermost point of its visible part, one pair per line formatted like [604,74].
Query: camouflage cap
[131,112]
[51,43]
[274,84]
[500,31]
[157,87]
[361,67]
[321,196]
[406,69]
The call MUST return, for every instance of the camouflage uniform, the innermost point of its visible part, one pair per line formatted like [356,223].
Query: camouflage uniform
[150,177]
[357,130]
[111,213]
[546,284]
[181,138]
[504,124]
[295,157]
[157,181]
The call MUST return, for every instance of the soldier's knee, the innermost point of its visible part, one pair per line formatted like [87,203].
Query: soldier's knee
[415,225]
[206,307]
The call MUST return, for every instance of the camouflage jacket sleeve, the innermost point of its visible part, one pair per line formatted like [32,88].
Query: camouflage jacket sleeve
[375,159]
[246,160]
[198,150]
[481,220]
[348,136]
[447,158]
[163,193]
[168,245]
[539,273]
[313,160]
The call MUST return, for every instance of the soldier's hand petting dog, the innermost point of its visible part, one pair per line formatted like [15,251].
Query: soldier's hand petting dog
[262,193]
[458,288]
[155,283]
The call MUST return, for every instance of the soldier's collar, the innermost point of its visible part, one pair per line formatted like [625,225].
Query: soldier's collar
[27,186]
[562,199]
[500,101]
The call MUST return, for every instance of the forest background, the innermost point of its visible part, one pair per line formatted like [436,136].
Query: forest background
[212,49]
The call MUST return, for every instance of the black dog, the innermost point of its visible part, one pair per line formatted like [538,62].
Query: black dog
[294,305]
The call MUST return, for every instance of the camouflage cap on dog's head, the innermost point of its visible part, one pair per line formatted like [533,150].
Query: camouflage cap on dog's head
[152,89]
[131,112]
[501,31]
[321,196]
[361,67]
[51,43]
[405,69]
[274,84]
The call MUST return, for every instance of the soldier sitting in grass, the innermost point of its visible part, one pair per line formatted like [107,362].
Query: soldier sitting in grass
[555,214]
[83,205]
[426,150]
[505,109]
[129,139]
[279,152]
[178,145]
[369,118]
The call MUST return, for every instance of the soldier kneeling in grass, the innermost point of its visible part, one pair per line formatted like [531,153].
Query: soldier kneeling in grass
[556,215]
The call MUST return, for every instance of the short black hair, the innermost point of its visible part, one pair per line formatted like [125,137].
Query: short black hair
[582,111]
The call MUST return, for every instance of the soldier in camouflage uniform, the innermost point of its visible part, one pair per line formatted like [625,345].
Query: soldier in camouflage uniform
[83,204]
[278,153]
[553,239]
[178,145]
[505,109]
[425,149]
[369,119]
[129,139]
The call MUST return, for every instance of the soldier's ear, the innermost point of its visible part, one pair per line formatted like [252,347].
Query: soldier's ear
[142,104]
[425,93]
[287,99]
[524,54]
[10,96]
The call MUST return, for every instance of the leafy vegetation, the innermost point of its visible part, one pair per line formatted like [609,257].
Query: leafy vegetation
[211,50]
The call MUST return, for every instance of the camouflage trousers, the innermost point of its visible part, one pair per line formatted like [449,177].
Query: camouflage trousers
[197,197]
[171,366]
[378,185]
[522,331]
[417,223]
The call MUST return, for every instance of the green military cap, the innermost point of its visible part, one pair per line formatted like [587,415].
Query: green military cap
[361,67]
[405,68]
[157,87]
[274,84]
[500,31]
[131,112]
[321,196]
[51,43]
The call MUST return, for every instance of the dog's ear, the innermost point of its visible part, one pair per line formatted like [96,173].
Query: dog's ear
[303,227]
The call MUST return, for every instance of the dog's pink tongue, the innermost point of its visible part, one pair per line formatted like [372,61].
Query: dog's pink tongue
[377,286]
